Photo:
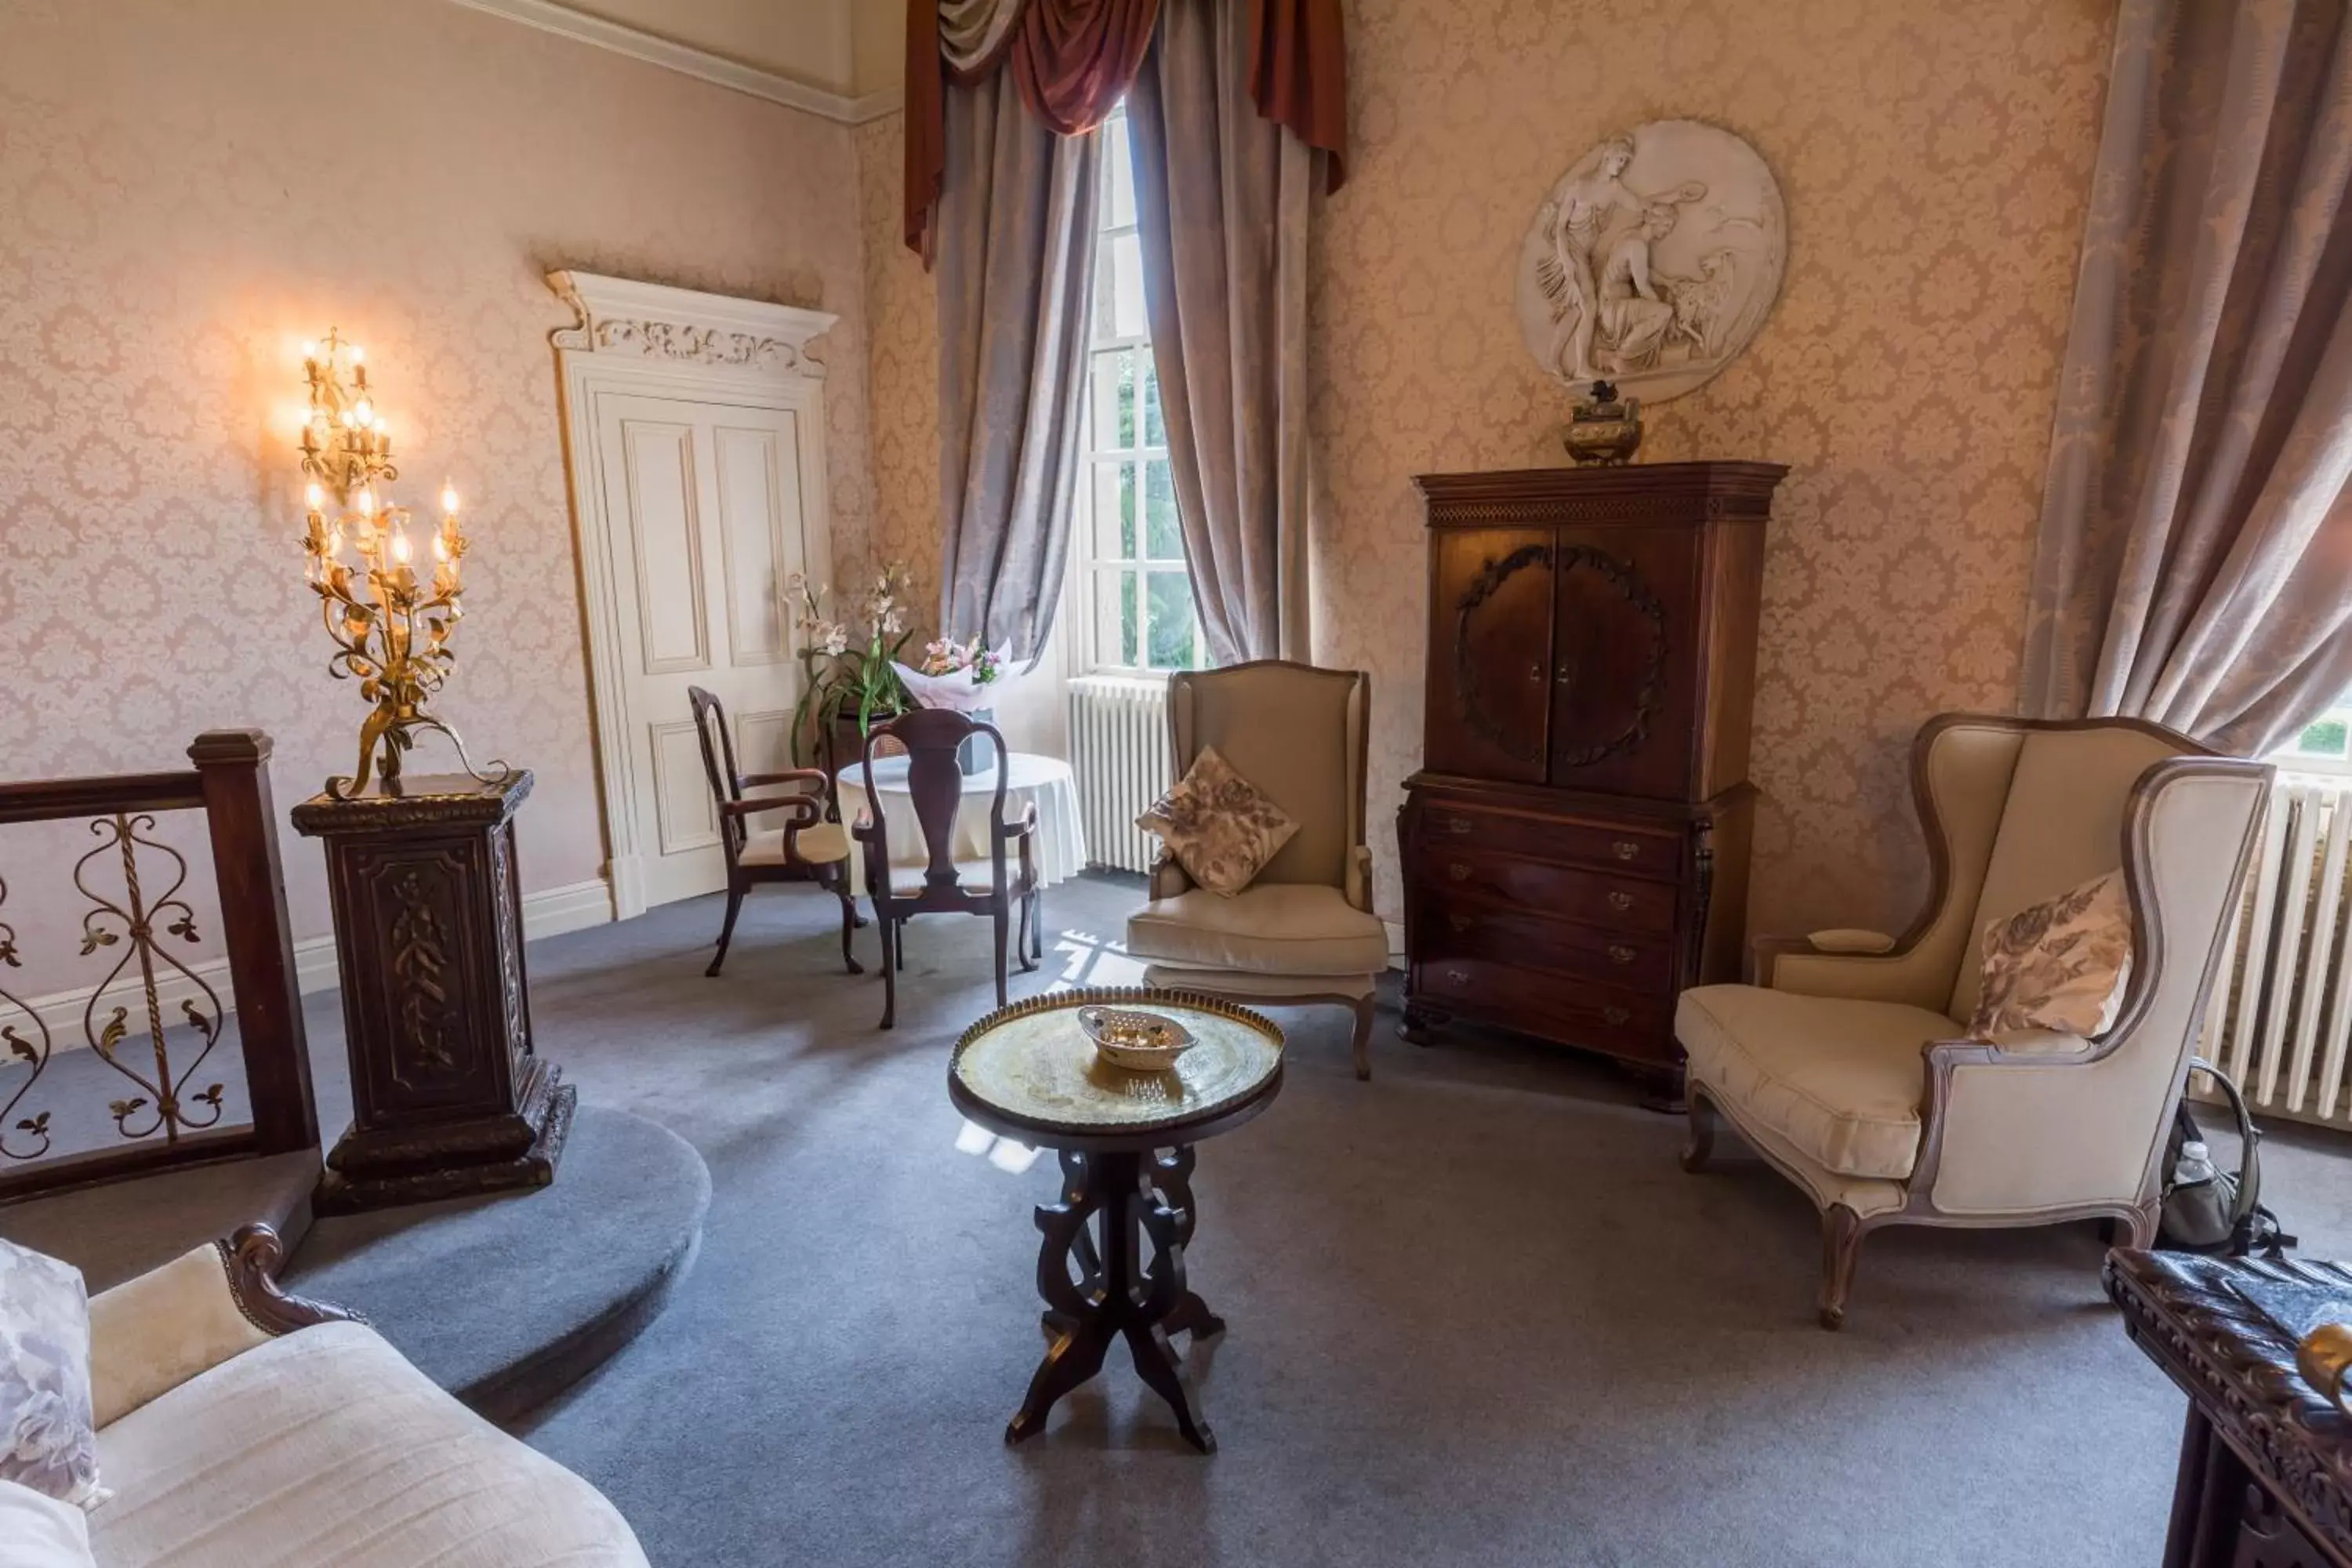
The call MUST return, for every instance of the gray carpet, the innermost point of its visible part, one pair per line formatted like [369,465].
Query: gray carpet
[1478,1314]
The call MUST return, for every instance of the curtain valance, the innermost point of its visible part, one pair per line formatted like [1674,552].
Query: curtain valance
[1072,59]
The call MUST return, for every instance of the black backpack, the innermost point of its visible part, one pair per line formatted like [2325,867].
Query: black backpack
[2225,1214]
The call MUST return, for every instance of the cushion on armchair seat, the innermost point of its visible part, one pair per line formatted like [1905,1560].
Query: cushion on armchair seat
[820,843]
[1839,1080]
[1273,928]
[327,1449]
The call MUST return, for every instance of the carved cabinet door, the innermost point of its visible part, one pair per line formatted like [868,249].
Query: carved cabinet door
[1490,649]
[1621,703]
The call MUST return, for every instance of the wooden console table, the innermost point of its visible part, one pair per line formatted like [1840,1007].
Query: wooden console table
[449,1097]
[2266,1478]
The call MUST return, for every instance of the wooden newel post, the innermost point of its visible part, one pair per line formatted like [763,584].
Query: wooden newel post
[234,765]
[449,1097]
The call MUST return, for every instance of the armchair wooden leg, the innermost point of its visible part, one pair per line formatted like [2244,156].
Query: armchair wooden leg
[1700,1147]
[849,923]
[2140,1233]
[1841,1244]
[892,956]
[727,931]
[1363,1041]
[1037,926]
[902,941]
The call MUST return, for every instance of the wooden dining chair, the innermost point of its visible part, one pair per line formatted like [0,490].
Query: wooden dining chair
[810,847]
[946,884]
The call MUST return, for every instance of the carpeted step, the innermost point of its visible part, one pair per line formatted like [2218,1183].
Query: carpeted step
[508,1300]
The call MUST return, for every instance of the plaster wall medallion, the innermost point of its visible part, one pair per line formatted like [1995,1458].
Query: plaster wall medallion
[1653,262]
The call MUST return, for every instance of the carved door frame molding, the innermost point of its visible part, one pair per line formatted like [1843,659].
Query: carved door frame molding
[648,340]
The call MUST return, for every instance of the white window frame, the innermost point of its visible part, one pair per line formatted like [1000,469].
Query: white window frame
[2288,760]
[1099,578]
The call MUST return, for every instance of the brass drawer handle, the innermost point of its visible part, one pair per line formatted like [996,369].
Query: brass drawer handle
[1620,902]
[1615,1014]
[1459,976]
[1536,673]
[1457,825]
[1459,870]
[1619,954]
[1626,849]
[1461,923]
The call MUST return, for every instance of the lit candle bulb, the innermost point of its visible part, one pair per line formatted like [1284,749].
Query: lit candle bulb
[367,503]
[400,547]
[364,412]
[359,355]
[440,547]
[310,352]
[448,500]
[313,497]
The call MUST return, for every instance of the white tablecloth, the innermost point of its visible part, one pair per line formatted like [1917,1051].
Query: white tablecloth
[1059,849]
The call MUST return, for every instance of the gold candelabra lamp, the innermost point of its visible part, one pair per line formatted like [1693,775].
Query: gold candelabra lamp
[391,626]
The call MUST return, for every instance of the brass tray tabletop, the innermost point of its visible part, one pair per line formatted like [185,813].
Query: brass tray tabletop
[1032,1065]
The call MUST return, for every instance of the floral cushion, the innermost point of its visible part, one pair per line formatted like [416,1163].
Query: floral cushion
[2061,965]
[1221,828]
[48,1439]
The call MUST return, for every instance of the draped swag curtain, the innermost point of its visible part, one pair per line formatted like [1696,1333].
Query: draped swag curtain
[2194,563]
[1001,98]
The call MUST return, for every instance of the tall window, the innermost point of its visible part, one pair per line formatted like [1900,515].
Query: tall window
[1140,615]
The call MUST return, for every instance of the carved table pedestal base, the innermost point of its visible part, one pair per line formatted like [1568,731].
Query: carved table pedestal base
[1115,1295]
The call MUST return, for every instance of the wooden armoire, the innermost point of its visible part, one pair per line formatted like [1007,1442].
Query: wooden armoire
[1576,843]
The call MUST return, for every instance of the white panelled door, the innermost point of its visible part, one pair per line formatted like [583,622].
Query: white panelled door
[706,522]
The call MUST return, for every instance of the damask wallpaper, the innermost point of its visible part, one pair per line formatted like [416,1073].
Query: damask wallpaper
[186,192]
[1935,161]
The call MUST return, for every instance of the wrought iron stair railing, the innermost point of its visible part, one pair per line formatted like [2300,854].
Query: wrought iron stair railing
[155,1018]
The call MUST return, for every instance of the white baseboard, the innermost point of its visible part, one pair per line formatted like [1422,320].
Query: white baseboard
[551,912]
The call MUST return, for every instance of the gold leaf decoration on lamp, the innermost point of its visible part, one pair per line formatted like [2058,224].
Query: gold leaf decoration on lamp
[391,628]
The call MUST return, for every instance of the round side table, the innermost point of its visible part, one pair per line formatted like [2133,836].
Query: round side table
[1126,1140]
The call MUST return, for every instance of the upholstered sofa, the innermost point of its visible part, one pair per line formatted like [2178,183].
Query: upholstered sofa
[1846,1067]
[240,1427]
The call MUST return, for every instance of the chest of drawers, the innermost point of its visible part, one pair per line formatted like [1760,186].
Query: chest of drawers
[1575,845]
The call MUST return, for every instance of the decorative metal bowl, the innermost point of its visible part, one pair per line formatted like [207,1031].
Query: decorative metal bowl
[1130,1039]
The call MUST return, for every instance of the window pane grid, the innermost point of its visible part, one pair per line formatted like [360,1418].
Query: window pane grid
[1143,614]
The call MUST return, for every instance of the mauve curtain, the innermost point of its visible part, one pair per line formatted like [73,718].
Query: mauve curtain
[1074,58]
[2195,558]
[1221,198]
[1070,58]
[1015,261]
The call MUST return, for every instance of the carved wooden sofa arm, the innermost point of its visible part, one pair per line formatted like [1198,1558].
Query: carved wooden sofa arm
[151,1334]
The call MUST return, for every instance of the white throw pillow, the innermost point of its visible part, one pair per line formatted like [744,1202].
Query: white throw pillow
[48,1441]
[37,1531]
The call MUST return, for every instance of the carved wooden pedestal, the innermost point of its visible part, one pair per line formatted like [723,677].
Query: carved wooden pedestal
[449,1097]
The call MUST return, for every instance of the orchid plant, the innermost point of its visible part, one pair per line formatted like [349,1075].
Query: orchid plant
[850,662]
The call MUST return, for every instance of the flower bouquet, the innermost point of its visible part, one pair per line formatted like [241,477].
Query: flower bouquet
[852,673]
[960,675]
[953,674]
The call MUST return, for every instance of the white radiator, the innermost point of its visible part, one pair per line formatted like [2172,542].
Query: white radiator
[2281,1013]
[1119,749]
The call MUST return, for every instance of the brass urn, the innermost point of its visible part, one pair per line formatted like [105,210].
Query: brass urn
[1603,430]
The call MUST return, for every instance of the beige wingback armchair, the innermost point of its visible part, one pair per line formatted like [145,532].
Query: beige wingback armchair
[1847,1069]
[1304,931]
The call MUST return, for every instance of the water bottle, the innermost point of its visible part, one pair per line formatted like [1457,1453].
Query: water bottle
[2195,1166]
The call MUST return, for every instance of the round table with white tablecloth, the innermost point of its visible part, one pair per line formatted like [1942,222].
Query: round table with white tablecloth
[1059,849]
